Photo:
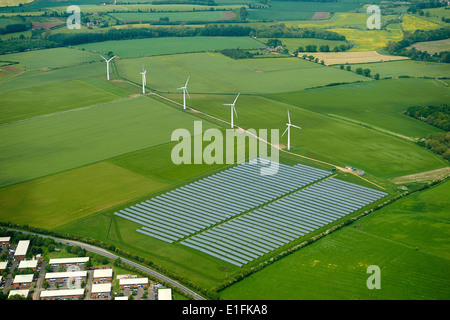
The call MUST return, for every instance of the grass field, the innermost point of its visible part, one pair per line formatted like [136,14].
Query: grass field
[407,68]
[380,103]
[326,138]
[51,58]
[72,195]
[62,141]
[433,46]
[160,46]
[408,240]
[167,73]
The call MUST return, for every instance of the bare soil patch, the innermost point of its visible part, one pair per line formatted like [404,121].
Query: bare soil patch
[423,176]
[320,15]
[228,15]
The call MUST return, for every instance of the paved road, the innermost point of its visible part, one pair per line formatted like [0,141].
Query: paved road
[110,255]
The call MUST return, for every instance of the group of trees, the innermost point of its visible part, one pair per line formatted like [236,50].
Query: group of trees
[16,27]
[365,72]
[438,116]
[237,53]
[323,48]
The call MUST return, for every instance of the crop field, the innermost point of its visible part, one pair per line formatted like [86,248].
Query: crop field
[161,46]
[333,58]
[231,76]
[409,238]
[91,155]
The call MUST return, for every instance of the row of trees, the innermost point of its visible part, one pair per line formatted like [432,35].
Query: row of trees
[16,27]
[324,48]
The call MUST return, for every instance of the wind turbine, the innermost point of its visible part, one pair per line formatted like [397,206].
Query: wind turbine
[232,108]
[288,129]
[144,80]
[107,65]
[184,93]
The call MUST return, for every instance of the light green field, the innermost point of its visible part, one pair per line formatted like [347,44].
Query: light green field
[433,46]
[62,141]
[66,197]
[51,98]
[410,68]
[408,240]
[51,58]
[32,78]
[215,73]
[376,104]
[329,139]
[171,45]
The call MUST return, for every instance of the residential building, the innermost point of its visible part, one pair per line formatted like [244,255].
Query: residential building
[31,264]
[68,262]
[58,278]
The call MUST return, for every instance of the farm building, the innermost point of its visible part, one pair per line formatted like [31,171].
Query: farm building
[3,265]
[21,292]
[60,277]
[101,290]
[31,264]
[4,241]
[68,262]
[21,250]
[22,281]
[133,283]
[165,294]
[102,275]
[66,294]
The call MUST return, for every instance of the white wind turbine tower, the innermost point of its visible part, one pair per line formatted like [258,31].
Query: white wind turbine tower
[107,65]
[184,93]
[288,129]
[232,109]
[144,79]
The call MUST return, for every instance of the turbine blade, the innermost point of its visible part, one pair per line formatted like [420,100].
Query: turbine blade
[285,131]
[187,81]
[188,94]
[103,58]
[236,98]
[293,125]
[234,111]
[289,118]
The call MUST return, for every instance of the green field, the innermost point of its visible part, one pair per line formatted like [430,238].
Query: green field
[380,104]
[433,46]
[333,140]
[167,73]
[192,16]
[408,240]
[51,58]
[62,141]
[159,46]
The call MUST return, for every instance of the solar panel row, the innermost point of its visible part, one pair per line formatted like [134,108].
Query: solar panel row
[204,203]
[252,235]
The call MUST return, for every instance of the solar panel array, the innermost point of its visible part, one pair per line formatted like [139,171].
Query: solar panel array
[252,235]
[200,205]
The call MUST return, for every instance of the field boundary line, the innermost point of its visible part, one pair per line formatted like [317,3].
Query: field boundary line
[399,243]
